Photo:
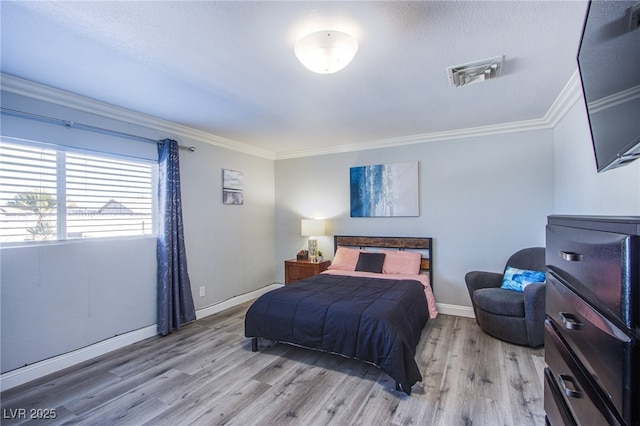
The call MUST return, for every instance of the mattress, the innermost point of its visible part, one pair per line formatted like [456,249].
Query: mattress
[363,317]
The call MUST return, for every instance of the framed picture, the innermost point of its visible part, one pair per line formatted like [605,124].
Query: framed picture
[232,187]
[385,190]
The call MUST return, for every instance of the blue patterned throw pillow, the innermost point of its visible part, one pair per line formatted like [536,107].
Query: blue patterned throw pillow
[517,279]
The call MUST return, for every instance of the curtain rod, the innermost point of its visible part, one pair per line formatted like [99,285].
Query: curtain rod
[89,127]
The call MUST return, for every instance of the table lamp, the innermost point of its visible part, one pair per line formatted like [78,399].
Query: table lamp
[312,228]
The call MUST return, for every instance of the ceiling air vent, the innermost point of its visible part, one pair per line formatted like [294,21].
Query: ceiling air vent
[475,72]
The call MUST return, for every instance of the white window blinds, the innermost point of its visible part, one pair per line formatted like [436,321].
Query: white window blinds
[49,194]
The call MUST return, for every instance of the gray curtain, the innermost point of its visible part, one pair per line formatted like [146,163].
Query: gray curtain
[175,302]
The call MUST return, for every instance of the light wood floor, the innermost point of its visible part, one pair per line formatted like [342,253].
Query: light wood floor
[206,374]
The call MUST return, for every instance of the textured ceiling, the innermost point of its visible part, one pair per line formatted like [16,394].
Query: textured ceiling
[228,68]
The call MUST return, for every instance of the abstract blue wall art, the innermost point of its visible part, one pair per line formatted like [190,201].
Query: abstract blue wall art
[385,190]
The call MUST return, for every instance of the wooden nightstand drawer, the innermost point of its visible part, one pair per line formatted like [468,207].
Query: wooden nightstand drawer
[295,270]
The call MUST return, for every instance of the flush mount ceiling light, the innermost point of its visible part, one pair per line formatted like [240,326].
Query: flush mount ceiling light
[326,52]
[475,72]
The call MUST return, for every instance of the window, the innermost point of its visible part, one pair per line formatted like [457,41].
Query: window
[52,194]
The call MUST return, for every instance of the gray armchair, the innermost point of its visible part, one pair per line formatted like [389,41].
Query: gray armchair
[515,317]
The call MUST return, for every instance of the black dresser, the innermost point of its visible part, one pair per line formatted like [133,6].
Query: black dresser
[592,327]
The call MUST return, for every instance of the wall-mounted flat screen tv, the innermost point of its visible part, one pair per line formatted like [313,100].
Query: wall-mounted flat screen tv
[609,64]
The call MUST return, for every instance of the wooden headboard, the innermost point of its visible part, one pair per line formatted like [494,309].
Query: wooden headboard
[400,243]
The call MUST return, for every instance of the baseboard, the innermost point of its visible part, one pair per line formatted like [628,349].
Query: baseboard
[234,301]
[40,369]
[457,310]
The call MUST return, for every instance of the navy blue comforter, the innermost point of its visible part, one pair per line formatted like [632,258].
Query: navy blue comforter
[374,320]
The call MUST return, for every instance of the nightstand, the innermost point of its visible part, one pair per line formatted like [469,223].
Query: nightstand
[295,270]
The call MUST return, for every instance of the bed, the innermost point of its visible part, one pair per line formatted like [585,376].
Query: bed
[371,304]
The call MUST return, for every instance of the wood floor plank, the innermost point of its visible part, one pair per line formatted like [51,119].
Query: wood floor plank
[177,345]
[142,370]
[525,387]
[112,391]
[280,368]
[280,403]
[338,402]
[59,392]
[136,405]
[211,406]
[122,413]
[206,374]
[236,366]
[431,356]
[471,369]
[202,356]
[380,403]
[292,391]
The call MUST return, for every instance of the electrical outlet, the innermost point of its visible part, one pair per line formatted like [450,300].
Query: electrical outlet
[202,291]
[634,17]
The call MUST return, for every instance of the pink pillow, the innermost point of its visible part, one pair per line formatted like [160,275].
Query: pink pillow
[345,259]
[401,262]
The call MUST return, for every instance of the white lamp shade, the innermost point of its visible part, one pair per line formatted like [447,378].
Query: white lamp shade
[326,52]
[312,227]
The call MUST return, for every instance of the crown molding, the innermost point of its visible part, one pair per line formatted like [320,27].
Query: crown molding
[12,84]
[419,138]
[569,95]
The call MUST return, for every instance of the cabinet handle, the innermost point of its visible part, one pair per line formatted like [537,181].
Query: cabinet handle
[572,392]
[571,257]
[570,322]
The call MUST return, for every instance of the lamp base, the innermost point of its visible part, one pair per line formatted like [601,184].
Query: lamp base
[313,250]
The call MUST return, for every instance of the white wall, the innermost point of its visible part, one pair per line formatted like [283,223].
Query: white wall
[578,188]
[481,199]
[60,297]
[57,298]
[229,247]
